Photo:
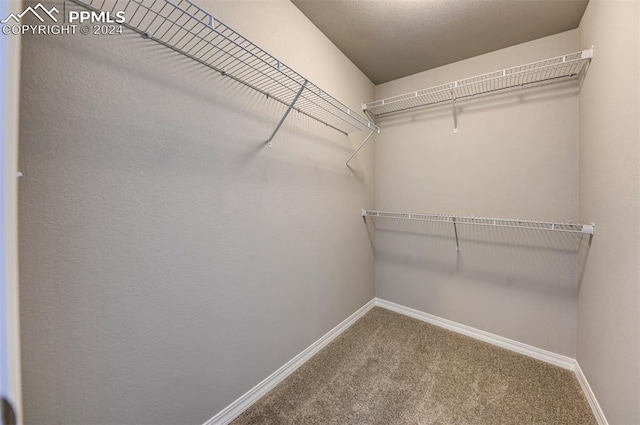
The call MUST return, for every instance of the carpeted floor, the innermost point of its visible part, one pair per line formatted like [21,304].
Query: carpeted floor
[390,369]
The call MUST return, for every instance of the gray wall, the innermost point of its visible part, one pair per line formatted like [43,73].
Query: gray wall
[609,302]
[515,155]
[169,261]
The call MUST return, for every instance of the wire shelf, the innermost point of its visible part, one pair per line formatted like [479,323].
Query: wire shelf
[549,226]
[190,30]
[567,67]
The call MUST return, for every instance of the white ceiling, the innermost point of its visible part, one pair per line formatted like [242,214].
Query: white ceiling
[390,39]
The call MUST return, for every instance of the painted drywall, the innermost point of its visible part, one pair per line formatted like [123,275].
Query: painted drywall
[609,301]
[169,260]
[514,156]
[10,385]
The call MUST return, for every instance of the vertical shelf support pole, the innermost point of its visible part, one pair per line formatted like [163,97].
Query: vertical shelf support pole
[270,140]
[455,231]
[359,147]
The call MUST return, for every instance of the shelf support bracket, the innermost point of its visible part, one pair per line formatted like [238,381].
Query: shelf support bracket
[284,117]
[359,147]
[455,231]
[455,116]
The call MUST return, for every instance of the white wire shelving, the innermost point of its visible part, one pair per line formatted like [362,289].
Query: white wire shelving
[457,220]
[186,28]
[560,68]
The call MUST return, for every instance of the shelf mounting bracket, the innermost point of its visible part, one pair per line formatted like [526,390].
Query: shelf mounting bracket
[359,147]
[455,116]
[455,231]
[284,117]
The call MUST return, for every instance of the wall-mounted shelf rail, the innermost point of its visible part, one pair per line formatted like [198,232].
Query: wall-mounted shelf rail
[561,68]
[190,30]
[485,221]
[457,220]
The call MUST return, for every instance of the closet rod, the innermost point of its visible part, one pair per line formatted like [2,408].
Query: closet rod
[549,226]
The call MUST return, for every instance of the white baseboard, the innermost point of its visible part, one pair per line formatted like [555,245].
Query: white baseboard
[234,410]
[509,344]
[591,398]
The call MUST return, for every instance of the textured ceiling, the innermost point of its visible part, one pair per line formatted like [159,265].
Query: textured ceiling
[390,39]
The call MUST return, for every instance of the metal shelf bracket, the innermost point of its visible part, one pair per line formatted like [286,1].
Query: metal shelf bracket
[455,116]
[455,231]
[360,146]
[284,117]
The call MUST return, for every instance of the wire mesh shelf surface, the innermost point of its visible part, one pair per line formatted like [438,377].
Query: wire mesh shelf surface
[569,66]
[485,221]
[188,29]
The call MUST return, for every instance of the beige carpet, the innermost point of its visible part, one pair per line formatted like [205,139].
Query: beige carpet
[391,369]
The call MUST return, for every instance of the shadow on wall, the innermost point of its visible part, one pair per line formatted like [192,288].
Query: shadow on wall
[538,261]
[228,124]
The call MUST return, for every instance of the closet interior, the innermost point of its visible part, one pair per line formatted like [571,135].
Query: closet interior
[198,219]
